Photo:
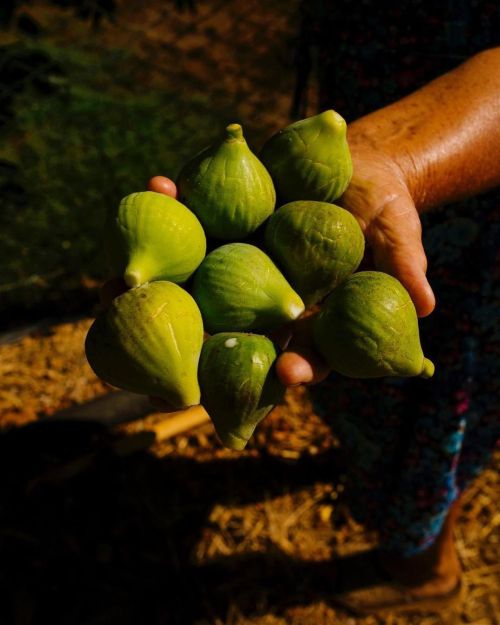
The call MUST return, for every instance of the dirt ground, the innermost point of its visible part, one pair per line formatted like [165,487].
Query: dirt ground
[187,532]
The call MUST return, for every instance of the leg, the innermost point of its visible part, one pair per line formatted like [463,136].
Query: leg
[434,571]
[428,580]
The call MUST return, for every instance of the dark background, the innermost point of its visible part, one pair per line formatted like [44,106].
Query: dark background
[96,97]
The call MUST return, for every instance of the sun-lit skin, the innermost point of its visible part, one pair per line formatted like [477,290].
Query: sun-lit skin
[439,144]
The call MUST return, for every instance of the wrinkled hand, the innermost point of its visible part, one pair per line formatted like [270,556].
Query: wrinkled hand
[378,197]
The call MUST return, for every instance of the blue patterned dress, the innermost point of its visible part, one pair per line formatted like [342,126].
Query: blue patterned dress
[414,445]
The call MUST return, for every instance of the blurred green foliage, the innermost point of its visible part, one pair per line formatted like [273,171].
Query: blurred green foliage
[71,154]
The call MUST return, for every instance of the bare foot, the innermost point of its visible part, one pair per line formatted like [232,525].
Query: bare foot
[433,572]
[428,580]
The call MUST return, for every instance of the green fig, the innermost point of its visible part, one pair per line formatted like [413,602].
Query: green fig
[368,328]
[228,188]
[149,342]
[238,288]
[310,159]
[316,244]
[154,237]
[238,384]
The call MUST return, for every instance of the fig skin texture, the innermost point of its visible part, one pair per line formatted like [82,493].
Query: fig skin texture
[368,328]
[152,236]
[238,288]
[239,386]
[310,159]
[149,341]
[228,187]
[316,245]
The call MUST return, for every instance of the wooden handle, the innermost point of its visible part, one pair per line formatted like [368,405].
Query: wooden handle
[178,422]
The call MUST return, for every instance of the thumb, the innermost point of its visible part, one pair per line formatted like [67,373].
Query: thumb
[301,366]
[162,184]
[396,238]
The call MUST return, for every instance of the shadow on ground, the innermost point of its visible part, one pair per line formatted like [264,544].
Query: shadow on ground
[90,536]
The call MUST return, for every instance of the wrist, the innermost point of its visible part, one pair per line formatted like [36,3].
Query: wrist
[388,142]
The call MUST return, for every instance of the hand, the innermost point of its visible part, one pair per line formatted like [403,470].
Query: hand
[379,199]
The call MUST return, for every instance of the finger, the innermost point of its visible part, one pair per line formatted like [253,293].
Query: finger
[162,184]
[407,266]
[408,263]
[397,248]
[110,290]
[301,367]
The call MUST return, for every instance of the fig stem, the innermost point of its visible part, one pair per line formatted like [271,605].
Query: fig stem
[132,278]
[234,132]
[427,369]
[294,310]
[231,440]
[333,119]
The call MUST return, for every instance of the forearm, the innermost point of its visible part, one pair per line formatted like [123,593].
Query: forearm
[445,137]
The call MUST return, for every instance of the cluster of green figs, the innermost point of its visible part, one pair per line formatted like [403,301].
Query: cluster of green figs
[277,245]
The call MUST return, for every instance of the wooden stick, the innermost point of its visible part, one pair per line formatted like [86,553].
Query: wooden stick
[179,422]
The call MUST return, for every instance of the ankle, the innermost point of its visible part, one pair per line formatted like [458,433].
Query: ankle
[432,564]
